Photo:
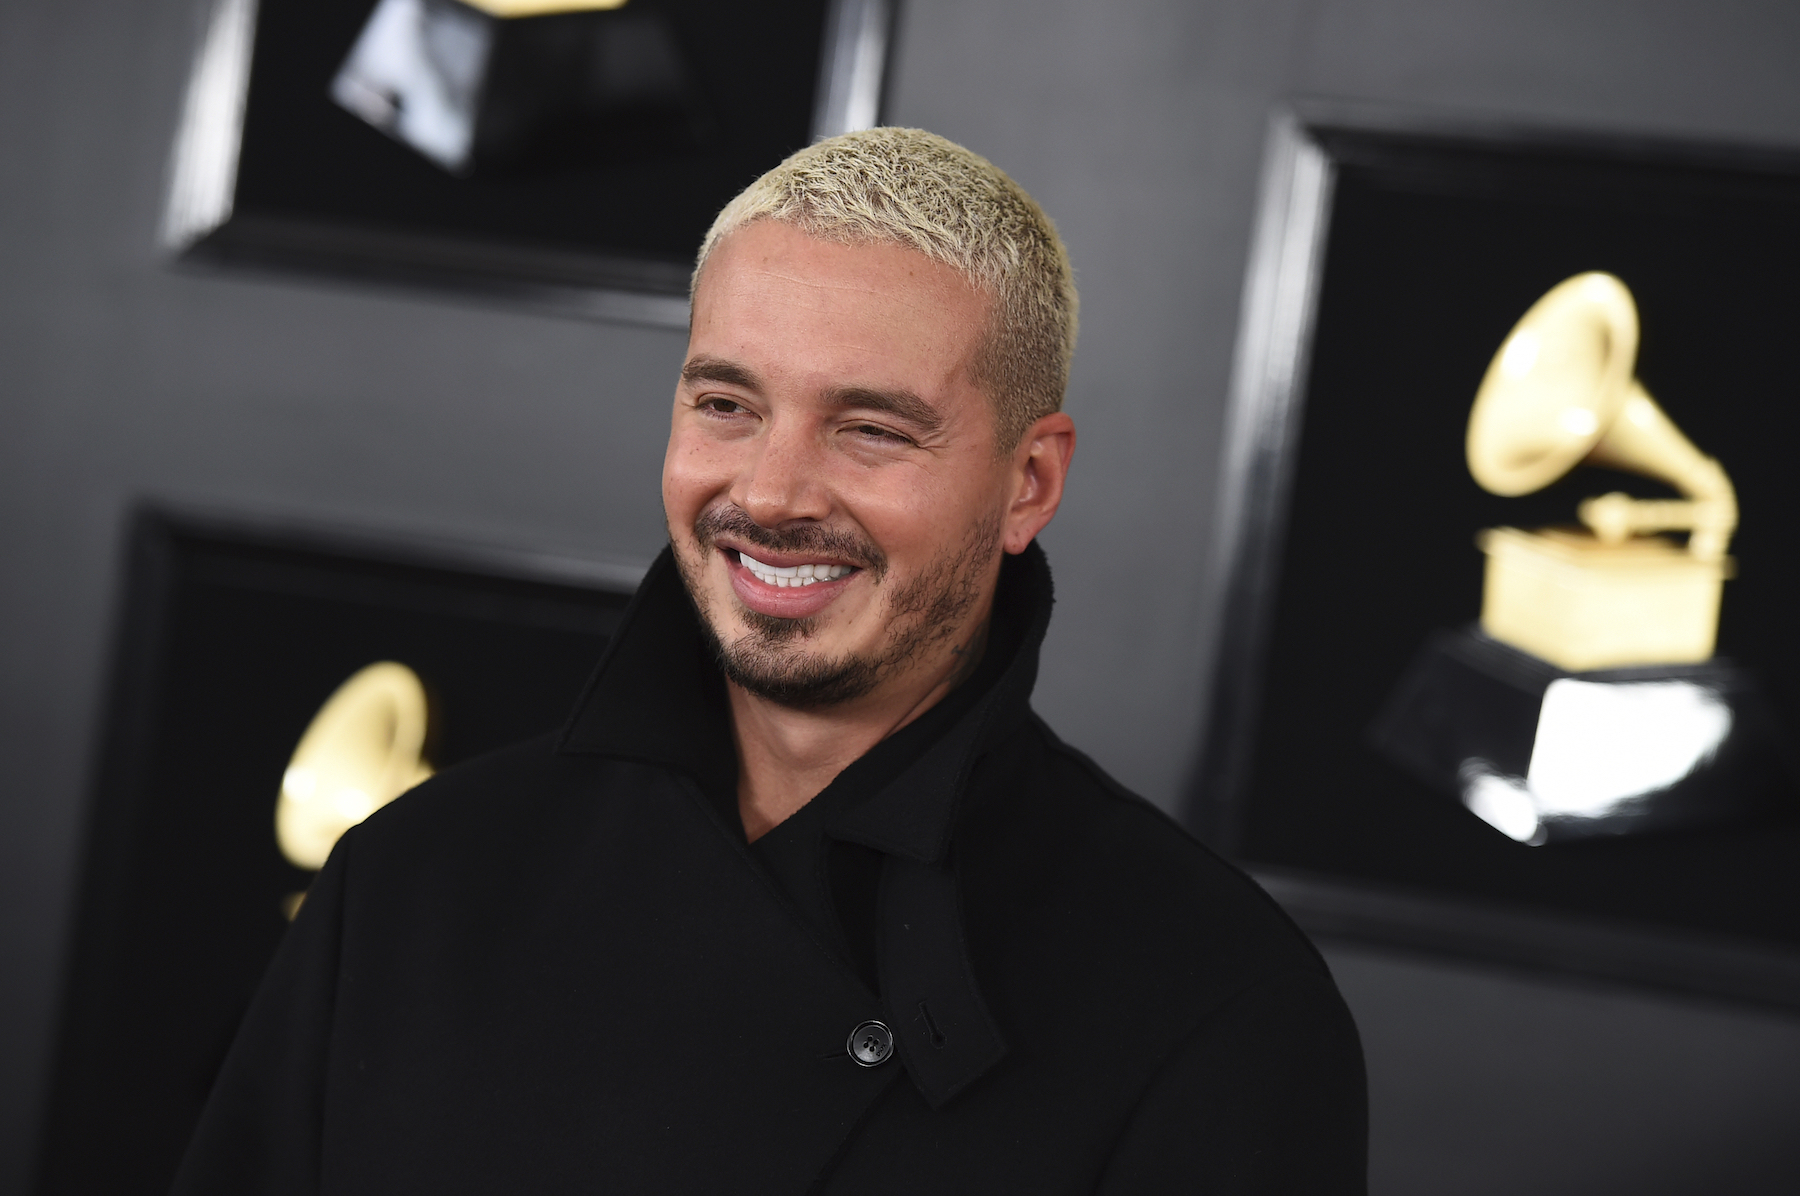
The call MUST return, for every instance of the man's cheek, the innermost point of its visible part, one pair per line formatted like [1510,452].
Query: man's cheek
[700,469]
[685,490]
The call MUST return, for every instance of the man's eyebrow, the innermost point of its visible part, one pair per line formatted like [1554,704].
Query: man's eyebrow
[903,404]
[716,369]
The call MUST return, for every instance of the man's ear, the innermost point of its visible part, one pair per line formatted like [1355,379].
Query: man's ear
[1040,465]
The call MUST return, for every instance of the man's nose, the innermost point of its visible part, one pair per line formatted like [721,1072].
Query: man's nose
[783,481]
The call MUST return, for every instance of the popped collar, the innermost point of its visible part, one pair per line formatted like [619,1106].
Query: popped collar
[657,697]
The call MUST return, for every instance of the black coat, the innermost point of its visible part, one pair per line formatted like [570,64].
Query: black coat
[560,968]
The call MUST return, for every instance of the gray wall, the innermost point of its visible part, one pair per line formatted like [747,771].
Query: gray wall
[1138,123]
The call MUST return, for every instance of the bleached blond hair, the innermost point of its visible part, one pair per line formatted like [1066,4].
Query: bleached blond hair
[916,189]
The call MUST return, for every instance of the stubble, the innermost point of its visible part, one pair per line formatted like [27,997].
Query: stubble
[773,660]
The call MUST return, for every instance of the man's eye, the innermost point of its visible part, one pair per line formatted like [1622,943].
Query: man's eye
[721,406]
[877,432]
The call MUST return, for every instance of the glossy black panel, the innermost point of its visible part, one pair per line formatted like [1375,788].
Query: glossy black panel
[1436,245]
[583,183]
[230,642]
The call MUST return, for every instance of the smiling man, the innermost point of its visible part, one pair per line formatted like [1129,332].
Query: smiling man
[839,489]
[805,898]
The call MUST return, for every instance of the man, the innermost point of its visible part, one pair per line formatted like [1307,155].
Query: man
[805,898]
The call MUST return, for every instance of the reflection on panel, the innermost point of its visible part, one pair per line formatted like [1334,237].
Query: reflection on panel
[1600,750]
[484,86]
[1516,718]
[1546,756]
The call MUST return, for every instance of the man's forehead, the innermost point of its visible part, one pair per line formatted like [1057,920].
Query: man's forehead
[775,254]
[776,306]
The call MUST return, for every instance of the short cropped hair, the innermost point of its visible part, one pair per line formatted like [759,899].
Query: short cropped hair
[916,189]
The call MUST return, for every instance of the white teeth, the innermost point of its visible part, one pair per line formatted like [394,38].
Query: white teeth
[788,576]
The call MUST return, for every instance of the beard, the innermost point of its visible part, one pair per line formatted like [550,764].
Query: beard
[772,658]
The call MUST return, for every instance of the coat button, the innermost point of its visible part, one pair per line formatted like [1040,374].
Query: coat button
[871,1044]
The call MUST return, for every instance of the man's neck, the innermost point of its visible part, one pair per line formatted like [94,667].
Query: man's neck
[786,757]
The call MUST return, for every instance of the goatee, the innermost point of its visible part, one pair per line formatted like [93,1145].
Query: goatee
[771,660]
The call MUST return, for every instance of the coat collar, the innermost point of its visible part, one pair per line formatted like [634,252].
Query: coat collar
[657,697]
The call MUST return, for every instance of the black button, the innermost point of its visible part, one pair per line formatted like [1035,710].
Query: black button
[871,1044]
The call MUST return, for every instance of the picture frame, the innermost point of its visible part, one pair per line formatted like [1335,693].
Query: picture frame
[269,173]
[232,634]
[1391,255]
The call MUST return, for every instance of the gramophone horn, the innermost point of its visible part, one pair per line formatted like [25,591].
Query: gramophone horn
[362,749]
[1560,391]
[1555,386]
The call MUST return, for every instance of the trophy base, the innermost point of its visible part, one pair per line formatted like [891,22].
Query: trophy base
[1567,598]
[1545,755]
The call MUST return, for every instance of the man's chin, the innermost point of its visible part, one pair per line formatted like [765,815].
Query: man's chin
[772,667]
[773,629]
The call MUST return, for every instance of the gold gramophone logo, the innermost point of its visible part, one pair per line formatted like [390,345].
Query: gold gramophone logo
[1589,702]
[364,748]
[1616,592]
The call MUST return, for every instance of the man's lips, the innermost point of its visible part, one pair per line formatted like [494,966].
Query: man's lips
[786,585]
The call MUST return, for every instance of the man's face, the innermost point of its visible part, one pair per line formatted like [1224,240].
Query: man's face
[832,486]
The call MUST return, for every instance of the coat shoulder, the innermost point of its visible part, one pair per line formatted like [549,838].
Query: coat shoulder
[484,811]
[1120,880]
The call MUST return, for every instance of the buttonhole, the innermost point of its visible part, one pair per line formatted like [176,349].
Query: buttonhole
[932,1034]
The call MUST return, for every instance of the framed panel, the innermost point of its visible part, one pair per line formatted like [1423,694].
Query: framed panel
[232,637]
[603,220]
[1390,262]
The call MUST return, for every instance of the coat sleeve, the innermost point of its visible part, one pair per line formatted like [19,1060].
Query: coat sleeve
[259,1134]
[1266,1095]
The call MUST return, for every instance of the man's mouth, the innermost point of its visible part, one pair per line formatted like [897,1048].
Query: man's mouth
[792,576]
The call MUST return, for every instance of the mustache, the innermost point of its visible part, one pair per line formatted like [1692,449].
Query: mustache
[837,543]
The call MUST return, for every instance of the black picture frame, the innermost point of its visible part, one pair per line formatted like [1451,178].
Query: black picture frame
[231,634]
[268,173]
[1391,256]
